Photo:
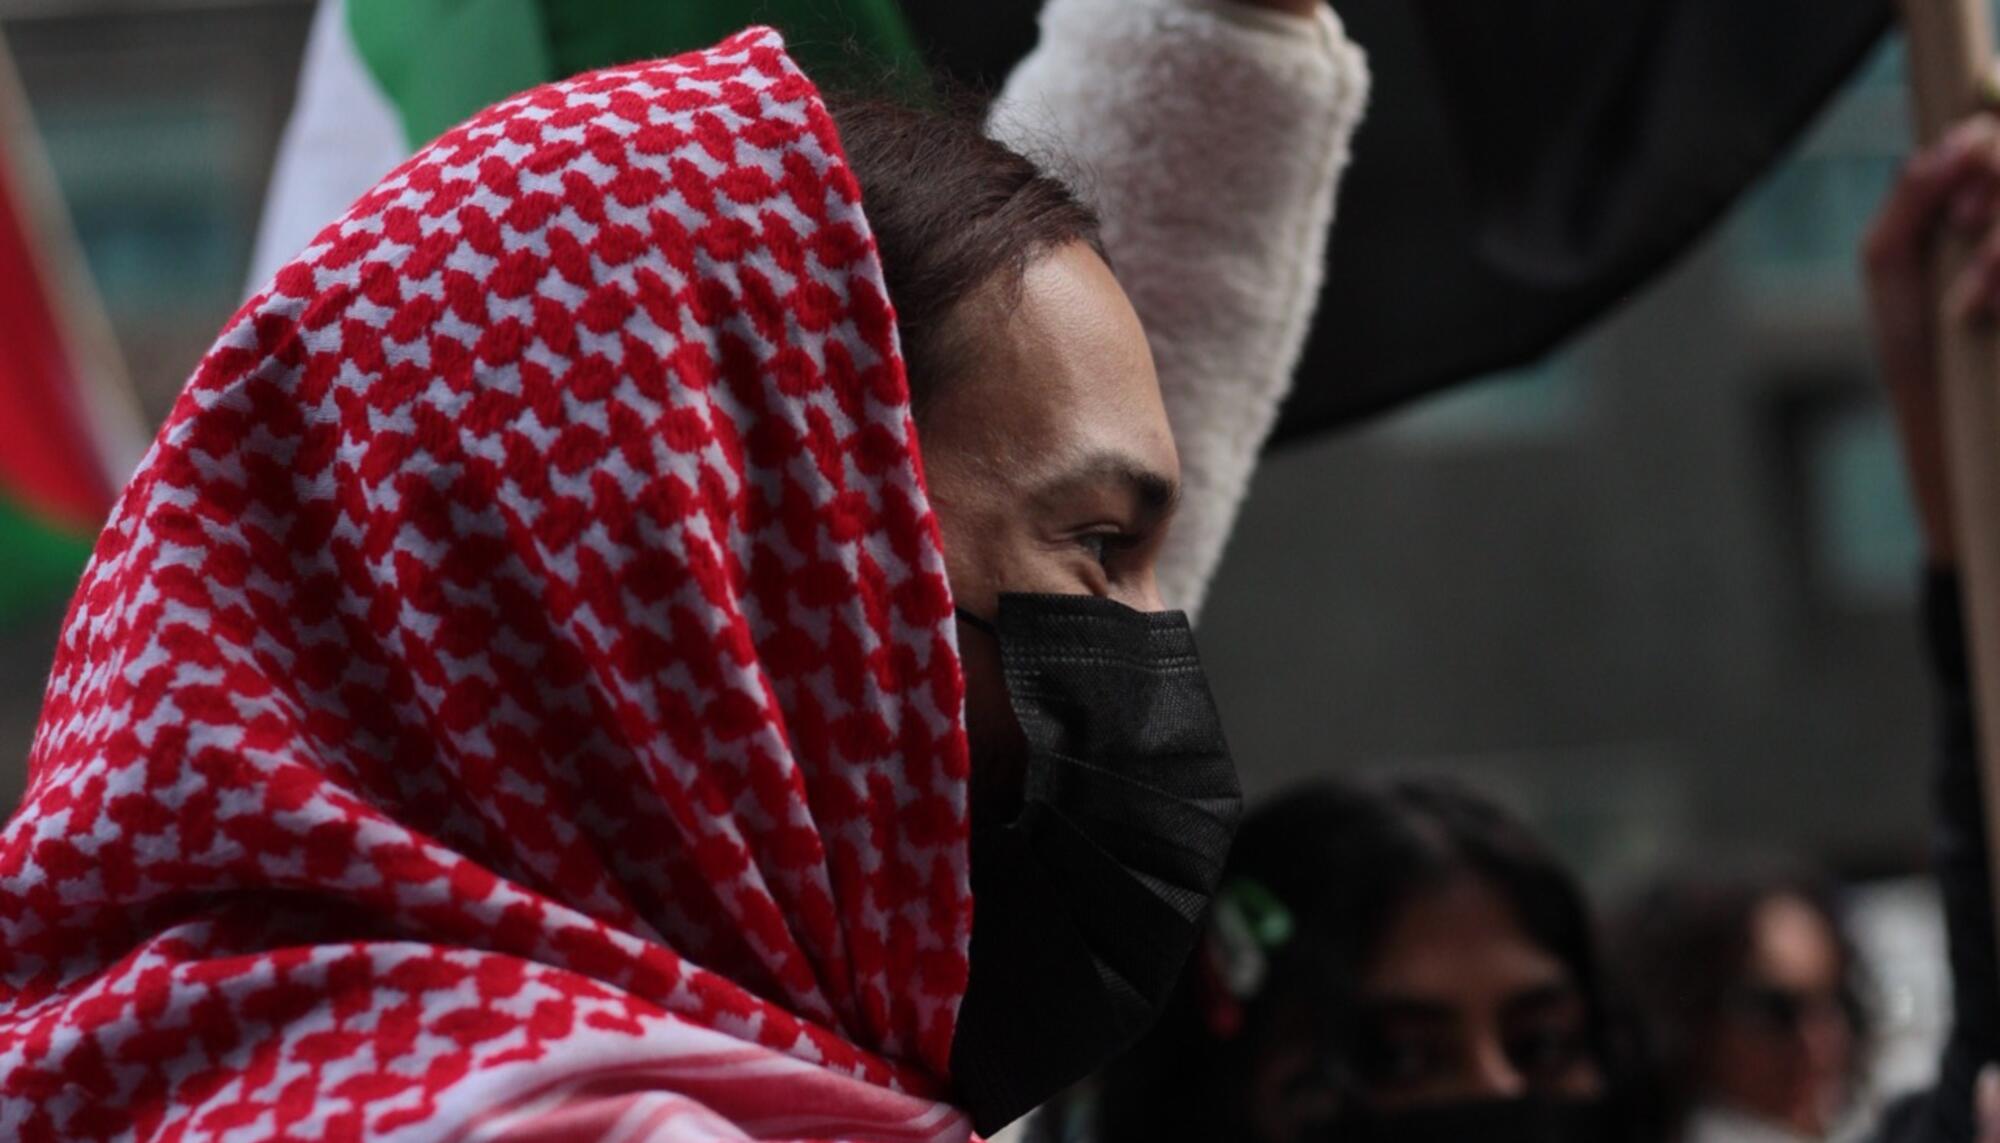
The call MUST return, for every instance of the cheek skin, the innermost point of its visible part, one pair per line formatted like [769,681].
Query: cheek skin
[1057,375]
[978,567]
[989,549]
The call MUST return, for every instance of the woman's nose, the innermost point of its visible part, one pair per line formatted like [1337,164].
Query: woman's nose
[1145,595]
[1826,1036]
[1491,1074]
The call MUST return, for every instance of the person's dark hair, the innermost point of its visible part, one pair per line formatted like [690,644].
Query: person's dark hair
[954,213]
[1343,859]
[1681,944]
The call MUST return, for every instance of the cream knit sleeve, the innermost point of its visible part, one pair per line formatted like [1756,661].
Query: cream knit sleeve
[1212,136]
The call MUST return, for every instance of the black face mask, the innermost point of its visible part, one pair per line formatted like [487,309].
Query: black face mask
[1087,903]
[1486,1120]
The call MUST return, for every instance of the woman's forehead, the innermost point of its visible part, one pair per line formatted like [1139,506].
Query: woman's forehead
[1062,375]
[1461,939]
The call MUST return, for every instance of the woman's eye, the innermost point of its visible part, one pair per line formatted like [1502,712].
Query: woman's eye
[1544,1052]
[1390,1063]
[1099,546]
[1411,1064]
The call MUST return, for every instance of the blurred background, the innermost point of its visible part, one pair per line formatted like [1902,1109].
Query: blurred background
[159,122]
[1658,590]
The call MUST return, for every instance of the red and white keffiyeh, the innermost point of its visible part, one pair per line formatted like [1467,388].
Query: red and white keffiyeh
[516,698]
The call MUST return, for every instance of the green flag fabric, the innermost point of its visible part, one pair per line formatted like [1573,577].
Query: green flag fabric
[438,61]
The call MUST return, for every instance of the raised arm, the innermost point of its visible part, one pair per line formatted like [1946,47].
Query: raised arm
[1956,183]
[1212,135]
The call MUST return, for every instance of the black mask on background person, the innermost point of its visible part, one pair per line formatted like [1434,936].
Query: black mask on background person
[1519,1120]
[1087,903]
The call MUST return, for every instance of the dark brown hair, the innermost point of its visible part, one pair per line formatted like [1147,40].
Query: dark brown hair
[954,213]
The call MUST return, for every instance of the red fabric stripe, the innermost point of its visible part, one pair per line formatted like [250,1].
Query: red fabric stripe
[47,459]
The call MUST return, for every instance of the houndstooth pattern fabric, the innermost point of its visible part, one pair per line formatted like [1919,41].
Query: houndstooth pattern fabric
[518,687]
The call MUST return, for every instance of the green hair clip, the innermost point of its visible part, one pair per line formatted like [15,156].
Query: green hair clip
[1248,924]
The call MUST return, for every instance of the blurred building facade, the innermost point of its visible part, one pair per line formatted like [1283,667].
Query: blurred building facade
[1659,589]
[161,118]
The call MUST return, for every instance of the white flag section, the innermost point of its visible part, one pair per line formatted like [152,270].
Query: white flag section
[344,135]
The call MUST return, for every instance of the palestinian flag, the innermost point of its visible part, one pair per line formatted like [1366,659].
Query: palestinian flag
[383,77]
[68,435]
[1525,166]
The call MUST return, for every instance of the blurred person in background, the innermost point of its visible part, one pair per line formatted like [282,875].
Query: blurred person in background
[1954,185]
[1747,981]
[1393,962]
[1749,997]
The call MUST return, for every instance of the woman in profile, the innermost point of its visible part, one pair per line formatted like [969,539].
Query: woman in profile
[520,694]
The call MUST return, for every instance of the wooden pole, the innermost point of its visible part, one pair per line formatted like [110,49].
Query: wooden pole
[1950,71]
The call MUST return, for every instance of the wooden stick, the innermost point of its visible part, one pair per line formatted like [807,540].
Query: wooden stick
[1950,71]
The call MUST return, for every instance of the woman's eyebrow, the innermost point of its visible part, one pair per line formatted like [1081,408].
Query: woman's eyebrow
[1154,494]
[1550,995]
[1401,1008]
